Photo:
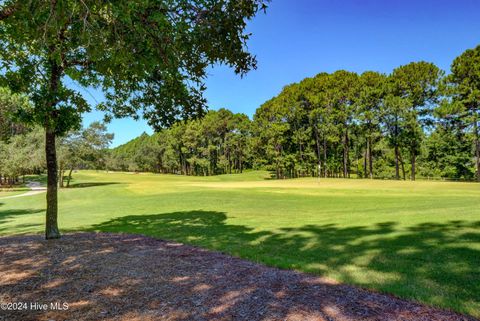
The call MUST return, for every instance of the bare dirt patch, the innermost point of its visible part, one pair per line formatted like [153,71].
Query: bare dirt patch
[129,277]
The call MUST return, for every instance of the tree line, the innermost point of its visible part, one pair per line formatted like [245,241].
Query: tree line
[413,121]
[218,143]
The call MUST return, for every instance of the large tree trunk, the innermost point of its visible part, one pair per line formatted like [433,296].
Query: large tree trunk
[51,227]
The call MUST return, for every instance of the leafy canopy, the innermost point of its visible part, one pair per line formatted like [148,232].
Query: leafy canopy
[146,56]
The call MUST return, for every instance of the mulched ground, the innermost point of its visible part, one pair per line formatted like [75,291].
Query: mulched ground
[129,277]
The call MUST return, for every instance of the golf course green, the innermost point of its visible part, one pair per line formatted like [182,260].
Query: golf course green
[416,240]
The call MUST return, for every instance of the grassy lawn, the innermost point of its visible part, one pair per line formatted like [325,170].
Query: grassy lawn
[6,192]
[417,240]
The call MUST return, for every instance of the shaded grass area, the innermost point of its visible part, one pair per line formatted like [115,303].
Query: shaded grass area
[416,240]
[130,277]
[428,262]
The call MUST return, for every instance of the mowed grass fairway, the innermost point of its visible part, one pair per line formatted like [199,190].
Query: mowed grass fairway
[417,240]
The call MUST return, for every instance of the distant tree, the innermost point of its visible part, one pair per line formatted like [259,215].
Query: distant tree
[215,144]
[85,148]
[271,126]
[21,156]
[238,140]
[344,89]
[146,55]
[317,95]
[394,118]
[448,152]
[300,152]
[463,87]
[368,107]
[10,104]
[417,82]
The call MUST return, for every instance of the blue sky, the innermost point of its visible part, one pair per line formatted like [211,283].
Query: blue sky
[300,38]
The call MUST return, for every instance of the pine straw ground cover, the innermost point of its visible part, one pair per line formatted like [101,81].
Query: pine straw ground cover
[128,277]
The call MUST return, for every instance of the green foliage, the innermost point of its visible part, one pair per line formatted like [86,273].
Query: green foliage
[215,144]
[20,146]
[447,154]
[463,101]
[21,156]
[10,105]
[144,55]
[83,149]
[331,125]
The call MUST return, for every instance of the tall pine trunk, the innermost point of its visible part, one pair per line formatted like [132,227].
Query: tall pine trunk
[277,164]
[403,166]
[365,157]
[370,157]
[397,153]
[345,155]
[413,161]
[325,154]
[319,157]
[477,148]
[240,163]
[51,227]
[478,159]
[397,169]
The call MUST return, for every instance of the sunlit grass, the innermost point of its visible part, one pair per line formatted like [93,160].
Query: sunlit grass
[418,240]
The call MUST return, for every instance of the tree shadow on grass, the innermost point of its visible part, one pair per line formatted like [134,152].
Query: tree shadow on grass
[436,263]
[6,215]
[20,229]
[92,184]
[118,277]
[42,178]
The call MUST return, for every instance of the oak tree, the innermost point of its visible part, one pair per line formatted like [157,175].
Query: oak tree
[148,57]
